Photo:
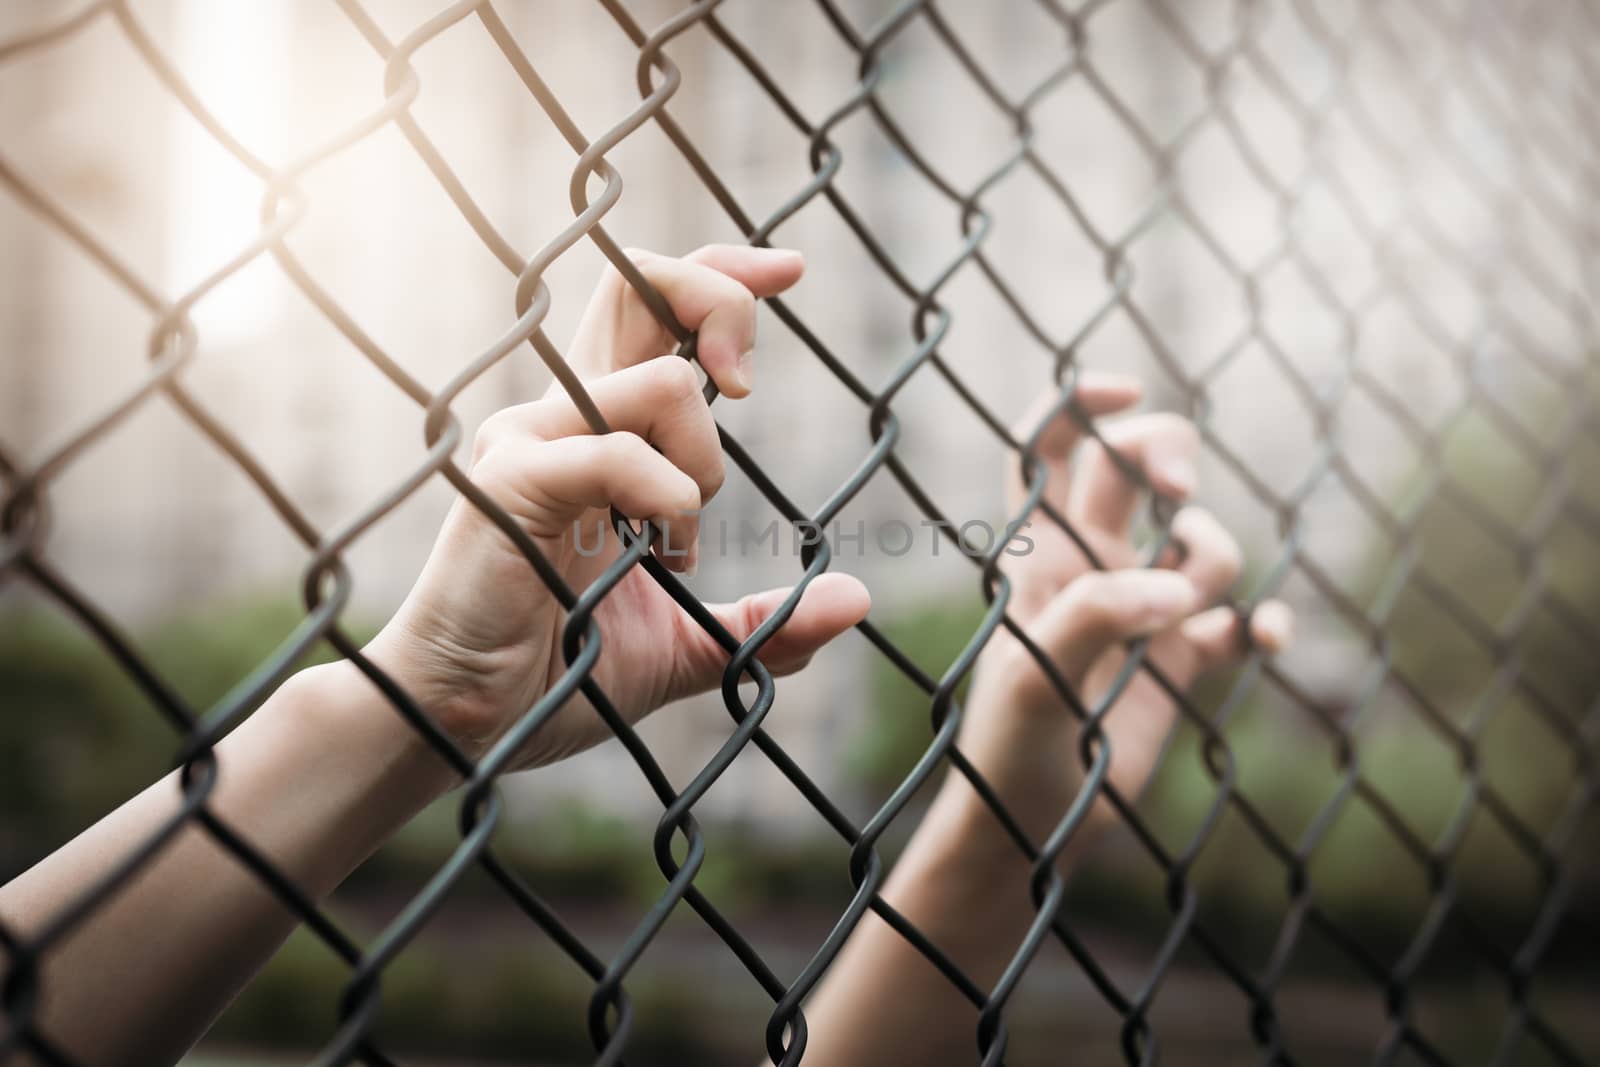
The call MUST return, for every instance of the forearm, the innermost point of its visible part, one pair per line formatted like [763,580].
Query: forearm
[965,885]
[315,780]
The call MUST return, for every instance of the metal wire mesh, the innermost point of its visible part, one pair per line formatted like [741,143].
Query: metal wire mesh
[1526,71]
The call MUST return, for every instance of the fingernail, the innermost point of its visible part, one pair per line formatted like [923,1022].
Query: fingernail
[691,562]
[746,370]
[782,253]
[1273,625]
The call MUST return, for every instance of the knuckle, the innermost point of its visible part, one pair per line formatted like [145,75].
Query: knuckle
[674,497]
[687,495]
[1183,430]
[1230,559]
[728,295]
[485,464]
[742,299]
[1024,426]
[1209,543]
[492,431]
[625,447]
[1094,602]
[614,276]
[499,469]
[715,477]
[481,446]
[709,481]
[612,280]
[675,379]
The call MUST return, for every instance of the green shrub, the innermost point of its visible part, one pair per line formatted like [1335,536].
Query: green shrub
[80,737]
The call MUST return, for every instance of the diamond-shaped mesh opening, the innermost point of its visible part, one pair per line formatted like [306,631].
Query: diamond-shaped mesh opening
[1128,44]
[919,55]
[1254,386]
[1220,182]
[1041,257]
[1108,171]
[1395,876]
[1173,272]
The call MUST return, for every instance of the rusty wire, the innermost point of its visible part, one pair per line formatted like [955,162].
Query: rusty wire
[1552,139]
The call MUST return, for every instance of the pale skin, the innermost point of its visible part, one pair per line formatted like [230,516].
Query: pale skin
[325,770]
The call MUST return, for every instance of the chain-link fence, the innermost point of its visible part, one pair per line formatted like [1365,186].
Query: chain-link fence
[1473,123]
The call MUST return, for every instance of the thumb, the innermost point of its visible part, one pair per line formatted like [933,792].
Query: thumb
[1105,608]
[831,604]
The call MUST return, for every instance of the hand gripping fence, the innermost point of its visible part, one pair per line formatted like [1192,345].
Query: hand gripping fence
[1506,77]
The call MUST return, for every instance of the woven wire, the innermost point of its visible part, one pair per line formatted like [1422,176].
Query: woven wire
[1502,76]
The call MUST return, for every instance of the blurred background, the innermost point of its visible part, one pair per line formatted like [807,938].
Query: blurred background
[1354,239]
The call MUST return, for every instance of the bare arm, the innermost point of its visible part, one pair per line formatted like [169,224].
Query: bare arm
[961,880]
[325,771]
[317,779]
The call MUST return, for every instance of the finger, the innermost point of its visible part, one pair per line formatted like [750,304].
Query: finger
[1097,394]
[1106,608]
[720,306]
[549,485]
[1162,446]
[659,400]
[712,291]
[831,604]
[764,271]
[1217,639]
[1211,556]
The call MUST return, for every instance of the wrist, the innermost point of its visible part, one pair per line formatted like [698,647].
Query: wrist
[963,841]
[468,693]
[965,883]
[339,704]
[1026,749]
[323,774]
